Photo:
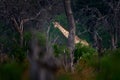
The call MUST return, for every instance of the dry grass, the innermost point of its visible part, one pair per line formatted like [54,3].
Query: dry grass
[82,72]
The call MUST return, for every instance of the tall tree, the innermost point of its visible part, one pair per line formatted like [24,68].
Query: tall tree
[71,37]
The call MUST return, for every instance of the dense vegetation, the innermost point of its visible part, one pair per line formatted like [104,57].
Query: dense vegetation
[29,39]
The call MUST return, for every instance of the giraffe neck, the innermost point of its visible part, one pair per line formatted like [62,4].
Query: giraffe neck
[64,31]
[66,34]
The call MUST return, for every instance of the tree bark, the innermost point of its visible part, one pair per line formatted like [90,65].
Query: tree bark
[21,39]
[71,37]
[19,29]
[113,42]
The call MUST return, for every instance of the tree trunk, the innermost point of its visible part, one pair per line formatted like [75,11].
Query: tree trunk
[71,37]
[43,64]
[113,41]
[21,39]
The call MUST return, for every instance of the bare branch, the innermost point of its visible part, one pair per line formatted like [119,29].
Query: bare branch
[80,33]
[101,18]
[32,18]
[16,24]
[21,25]
[55,40]
[98,35]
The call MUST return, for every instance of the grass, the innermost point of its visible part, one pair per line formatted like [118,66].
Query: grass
[85,69]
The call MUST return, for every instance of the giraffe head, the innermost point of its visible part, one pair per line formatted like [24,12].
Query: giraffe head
[56,24]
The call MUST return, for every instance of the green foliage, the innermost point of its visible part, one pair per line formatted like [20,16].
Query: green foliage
[27,37]
[60,50]
[110,66]
[6,37]
[84,52]
[64,77]
[62,19]
[18,52]
[41,38]
[11,71]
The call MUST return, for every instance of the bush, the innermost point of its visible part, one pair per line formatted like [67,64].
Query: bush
[11,71]
[60,50]
[84,52]
[27,37]
[64,77]
[19,53]
[41,38]
[110,66]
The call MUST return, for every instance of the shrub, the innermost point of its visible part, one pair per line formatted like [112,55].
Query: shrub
[64,77]
[41,38]
[110,66]
[60,50]
[11,71]
[84,52]
[27,37]
[19,53]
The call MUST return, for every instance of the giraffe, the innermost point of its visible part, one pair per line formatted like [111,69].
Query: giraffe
[66,34]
